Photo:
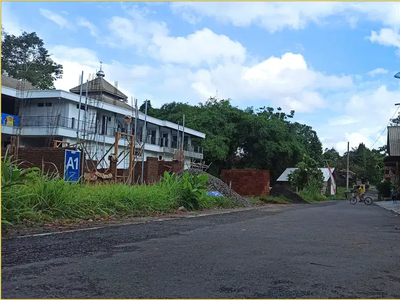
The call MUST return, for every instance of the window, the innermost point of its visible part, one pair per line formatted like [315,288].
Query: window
[49,104]
[83,107]
[40,104]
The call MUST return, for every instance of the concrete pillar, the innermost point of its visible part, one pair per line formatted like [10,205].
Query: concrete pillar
[158,142]
[169,138]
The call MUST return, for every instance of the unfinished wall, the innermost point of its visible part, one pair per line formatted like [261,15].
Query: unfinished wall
[50,159]
[248,182]
[154,169]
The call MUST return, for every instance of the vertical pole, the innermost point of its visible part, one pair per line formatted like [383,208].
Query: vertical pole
[79,111]
[183,142]
[132,149]
[134,135]
[348,155]
[86,108]
[116,155]
[178,144]
[145,137]
[136,119]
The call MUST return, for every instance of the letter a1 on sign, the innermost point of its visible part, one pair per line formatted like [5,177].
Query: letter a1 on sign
[72,165]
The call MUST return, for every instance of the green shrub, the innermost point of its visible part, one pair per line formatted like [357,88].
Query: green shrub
[11,174]
[190,188]
[384,188]
[312,192]
[340,194]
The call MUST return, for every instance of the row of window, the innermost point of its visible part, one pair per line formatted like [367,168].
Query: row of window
[41,104]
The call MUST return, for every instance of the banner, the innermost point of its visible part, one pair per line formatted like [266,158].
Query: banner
[332,179]
[9,120]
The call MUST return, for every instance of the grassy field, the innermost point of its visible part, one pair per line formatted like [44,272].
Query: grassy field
[48,198]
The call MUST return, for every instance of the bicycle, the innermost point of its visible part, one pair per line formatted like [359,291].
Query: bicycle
[366,200]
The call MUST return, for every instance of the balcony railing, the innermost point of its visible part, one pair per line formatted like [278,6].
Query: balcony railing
[91,129]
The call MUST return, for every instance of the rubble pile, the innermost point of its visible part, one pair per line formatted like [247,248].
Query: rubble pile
[278,191]
[216,184]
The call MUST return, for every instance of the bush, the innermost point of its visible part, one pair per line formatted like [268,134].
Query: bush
[190,188]
[312,191]
[340,194]
[384,188]
[307,171]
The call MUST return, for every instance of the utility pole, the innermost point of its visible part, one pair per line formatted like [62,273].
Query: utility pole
[183,141]
[145,137]
[79,111]
[348,156]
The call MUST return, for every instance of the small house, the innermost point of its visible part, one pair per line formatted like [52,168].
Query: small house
[328,187]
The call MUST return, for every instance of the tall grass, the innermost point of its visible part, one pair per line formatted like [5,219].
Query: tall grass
[48,198]
[312,192]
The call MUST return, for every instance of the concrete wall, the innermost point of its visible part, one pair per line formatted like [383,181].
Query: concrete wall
[248,182]
[57,107]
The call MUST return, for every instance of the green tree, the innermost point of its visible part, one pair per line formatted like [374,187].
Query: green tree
[368,165]
[263,138]
[25,57]
[307,172]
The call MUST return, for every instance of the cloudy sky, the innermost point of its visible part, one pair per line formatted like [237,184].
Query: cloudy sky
[332,62]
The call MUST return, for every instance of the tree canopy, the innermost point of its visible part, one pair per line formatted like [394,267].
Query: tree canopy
[25,57]
[262,138]
[366,164]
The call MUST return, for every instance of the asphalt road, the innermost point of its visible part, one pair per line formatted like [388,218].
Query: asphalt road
[326,250]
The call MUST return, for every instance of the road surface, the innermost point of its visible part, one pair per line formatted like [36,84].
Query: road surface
[325,250]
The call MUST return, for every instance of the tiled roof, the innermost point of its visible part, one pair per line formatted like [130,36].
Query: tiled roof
[100,84]
[16,84]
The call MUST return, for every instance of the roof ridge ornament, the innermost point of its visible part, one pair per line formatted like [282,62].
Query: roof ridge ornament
[101,72]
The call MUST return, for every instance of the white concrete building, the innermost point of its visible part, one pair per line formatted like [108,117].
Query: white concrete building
[41,116]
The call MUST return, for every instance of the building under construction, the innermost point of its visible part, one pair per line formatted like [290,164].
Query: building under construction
[97,118]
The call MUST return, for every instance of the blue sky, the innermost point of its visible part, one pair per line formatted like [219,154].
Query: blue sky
[332,62]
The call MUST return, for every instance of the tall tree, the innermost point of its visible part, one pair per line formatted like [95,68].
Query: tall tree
[25,57]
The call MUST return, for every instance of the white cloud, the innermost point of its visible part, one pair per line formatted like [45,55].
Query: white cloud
[136,31]
[342,121]
[377,71]
[386,37]
[92,28]
[275,16]
[284,81]
[372,109]
[56,18]
[272,16]
[203,46]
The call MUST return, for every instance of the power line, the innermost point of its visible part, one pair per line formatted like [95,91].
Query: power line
[385,127]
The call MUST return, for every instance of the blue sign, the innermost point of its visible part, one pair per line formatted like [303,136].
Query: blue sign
[72,165]
[9,120]
[214,194]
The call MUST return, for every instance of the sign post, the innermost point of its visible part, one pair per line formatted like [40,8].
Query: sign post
[72,166]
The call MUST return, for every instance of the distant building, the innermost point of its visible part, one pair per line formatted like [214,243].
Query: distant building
[393,159]
[40,116]
[327,189]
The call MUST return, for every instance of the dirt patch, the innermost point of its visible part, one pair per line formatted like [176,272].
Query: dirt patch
[279,191]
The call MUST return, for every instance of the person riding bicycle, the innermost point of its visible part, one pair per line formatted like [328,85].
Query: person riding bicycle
[361,192]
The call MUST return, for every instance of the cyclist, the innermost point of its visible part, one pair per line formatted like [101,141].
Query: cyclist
[361,192]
